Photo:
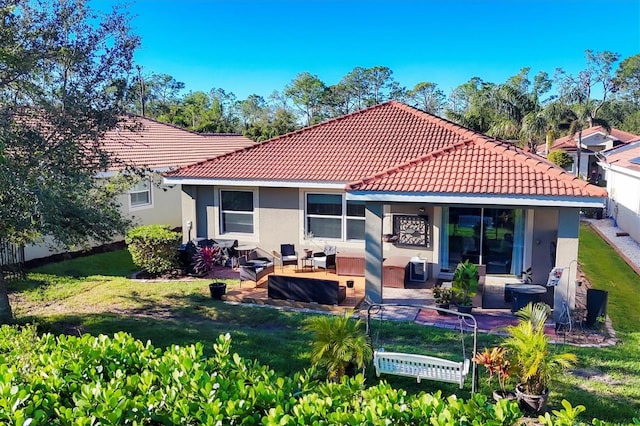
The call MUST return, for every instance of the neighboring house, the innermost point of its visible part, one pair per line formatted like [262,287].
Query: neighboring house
[594,139]
[394,181]
[622,174]
[157,147]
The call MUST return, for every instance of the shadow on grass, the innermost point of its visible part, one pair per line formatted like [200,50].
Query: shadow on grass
[114,263]
[269,336]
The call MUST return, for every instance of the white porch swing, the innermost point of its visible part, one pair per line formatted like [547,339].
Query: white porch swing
[425,366]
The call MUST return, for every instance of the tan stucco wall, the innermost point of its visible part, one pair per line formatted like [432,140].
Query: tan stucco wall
[428,253]
[545,232]
[188,204]
[566,256]
[280,221]
[164,210]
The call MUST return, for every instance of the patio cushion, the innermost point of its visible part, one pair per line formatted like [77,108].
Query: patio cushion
[287,250]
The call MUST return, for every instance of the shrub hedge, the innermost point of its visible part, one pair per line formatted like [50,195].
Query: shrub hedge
[64,380]
[154,248]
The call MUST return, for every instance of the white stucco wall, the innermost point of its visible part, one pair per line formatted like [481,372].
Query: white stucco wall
[624,200]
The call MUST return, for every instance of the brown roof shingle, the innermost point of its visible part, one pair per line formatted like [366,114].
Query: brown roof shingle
[164,146]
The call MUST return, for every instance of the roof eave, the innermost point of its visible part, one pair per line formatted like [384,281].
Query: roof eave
[176,180]
[478,199]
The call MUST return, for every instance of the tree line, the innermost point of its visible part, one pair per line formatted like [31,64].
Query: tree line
[527,110]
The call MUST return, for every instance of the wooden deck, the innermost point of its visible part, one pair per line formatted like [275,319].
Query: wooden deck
[250,292]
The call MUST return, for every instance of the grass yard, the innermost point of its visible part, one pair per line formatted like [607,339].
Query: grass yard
[93,295]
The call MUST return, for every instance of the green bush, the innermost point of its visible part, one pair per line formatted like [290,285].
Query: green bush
[154,248]
[64,380]
[340,345]
[560,158]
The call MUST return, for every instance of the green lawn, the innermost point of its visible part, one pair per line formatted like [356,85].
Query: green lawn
[93,295]
[607,271]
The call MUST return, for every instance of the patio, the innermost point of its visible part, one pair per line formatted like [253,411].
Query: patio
[256,293]
[491,320]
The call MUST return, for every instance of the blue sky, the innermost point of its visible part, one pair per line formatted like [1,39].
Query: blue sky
[254,47]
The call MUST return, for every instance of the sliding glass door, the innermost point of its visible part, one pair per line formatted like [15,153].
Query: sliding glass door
[491,237]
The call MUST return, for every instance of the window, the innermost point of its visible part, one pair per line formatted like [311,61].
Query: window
[355,220]
[491,237]
[332,216]
[236,212]
[140,194]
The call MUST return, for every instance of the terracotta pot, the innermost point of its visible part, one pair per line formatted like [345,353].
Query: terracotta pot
[217,290]
[532,403]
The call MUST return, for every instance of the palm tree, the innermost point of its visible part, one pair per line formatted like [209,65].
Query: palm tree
[528,351]
[577,119]
[339,343]
[535,127]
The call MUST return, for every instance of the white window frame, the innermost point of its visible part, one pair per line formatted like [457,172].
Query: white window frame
[221,212]
[344,218]
[134,190]
[347,218]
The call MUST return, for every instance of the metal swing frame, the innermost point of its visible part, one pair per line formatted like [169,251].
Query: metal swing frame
[424,366]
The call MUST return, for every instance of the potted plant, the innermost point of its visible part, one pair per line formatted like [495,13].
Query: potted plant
[204,261]
[532,362]
[497,365]
[465,285]
[442,297]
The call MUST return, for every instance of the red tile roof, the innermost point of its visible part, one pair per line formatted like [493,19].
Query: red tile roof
[569,142]
[623,155]
[479,166]
[393,147]
[164,146]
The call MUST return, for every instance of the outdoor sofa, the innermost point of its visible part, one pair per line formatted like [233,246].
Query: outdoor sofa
[309,290]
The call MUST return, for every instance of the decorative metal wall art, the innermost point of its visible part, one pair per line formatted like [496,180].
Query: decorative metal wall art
[411,230]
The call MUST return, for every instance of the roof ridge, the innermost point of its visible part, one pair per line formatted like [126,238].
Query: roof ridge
[208,160]
[543,165]
[175,126]
[421,159]
[448,124]
[526,158]
[326,122]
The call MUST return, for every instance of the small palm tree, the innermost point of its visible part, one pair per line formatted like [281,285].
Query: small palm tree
[339,343]
[529,355]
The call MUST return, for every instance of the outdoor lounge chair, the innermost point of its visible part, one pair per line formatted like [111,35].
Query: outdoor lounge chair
[325,259]
[288,255]
[255,269]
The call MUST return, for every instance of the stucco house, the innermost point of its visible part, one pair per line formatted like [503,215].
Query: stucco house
[594,139]
[157,147]
[393,181]
[622,173]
